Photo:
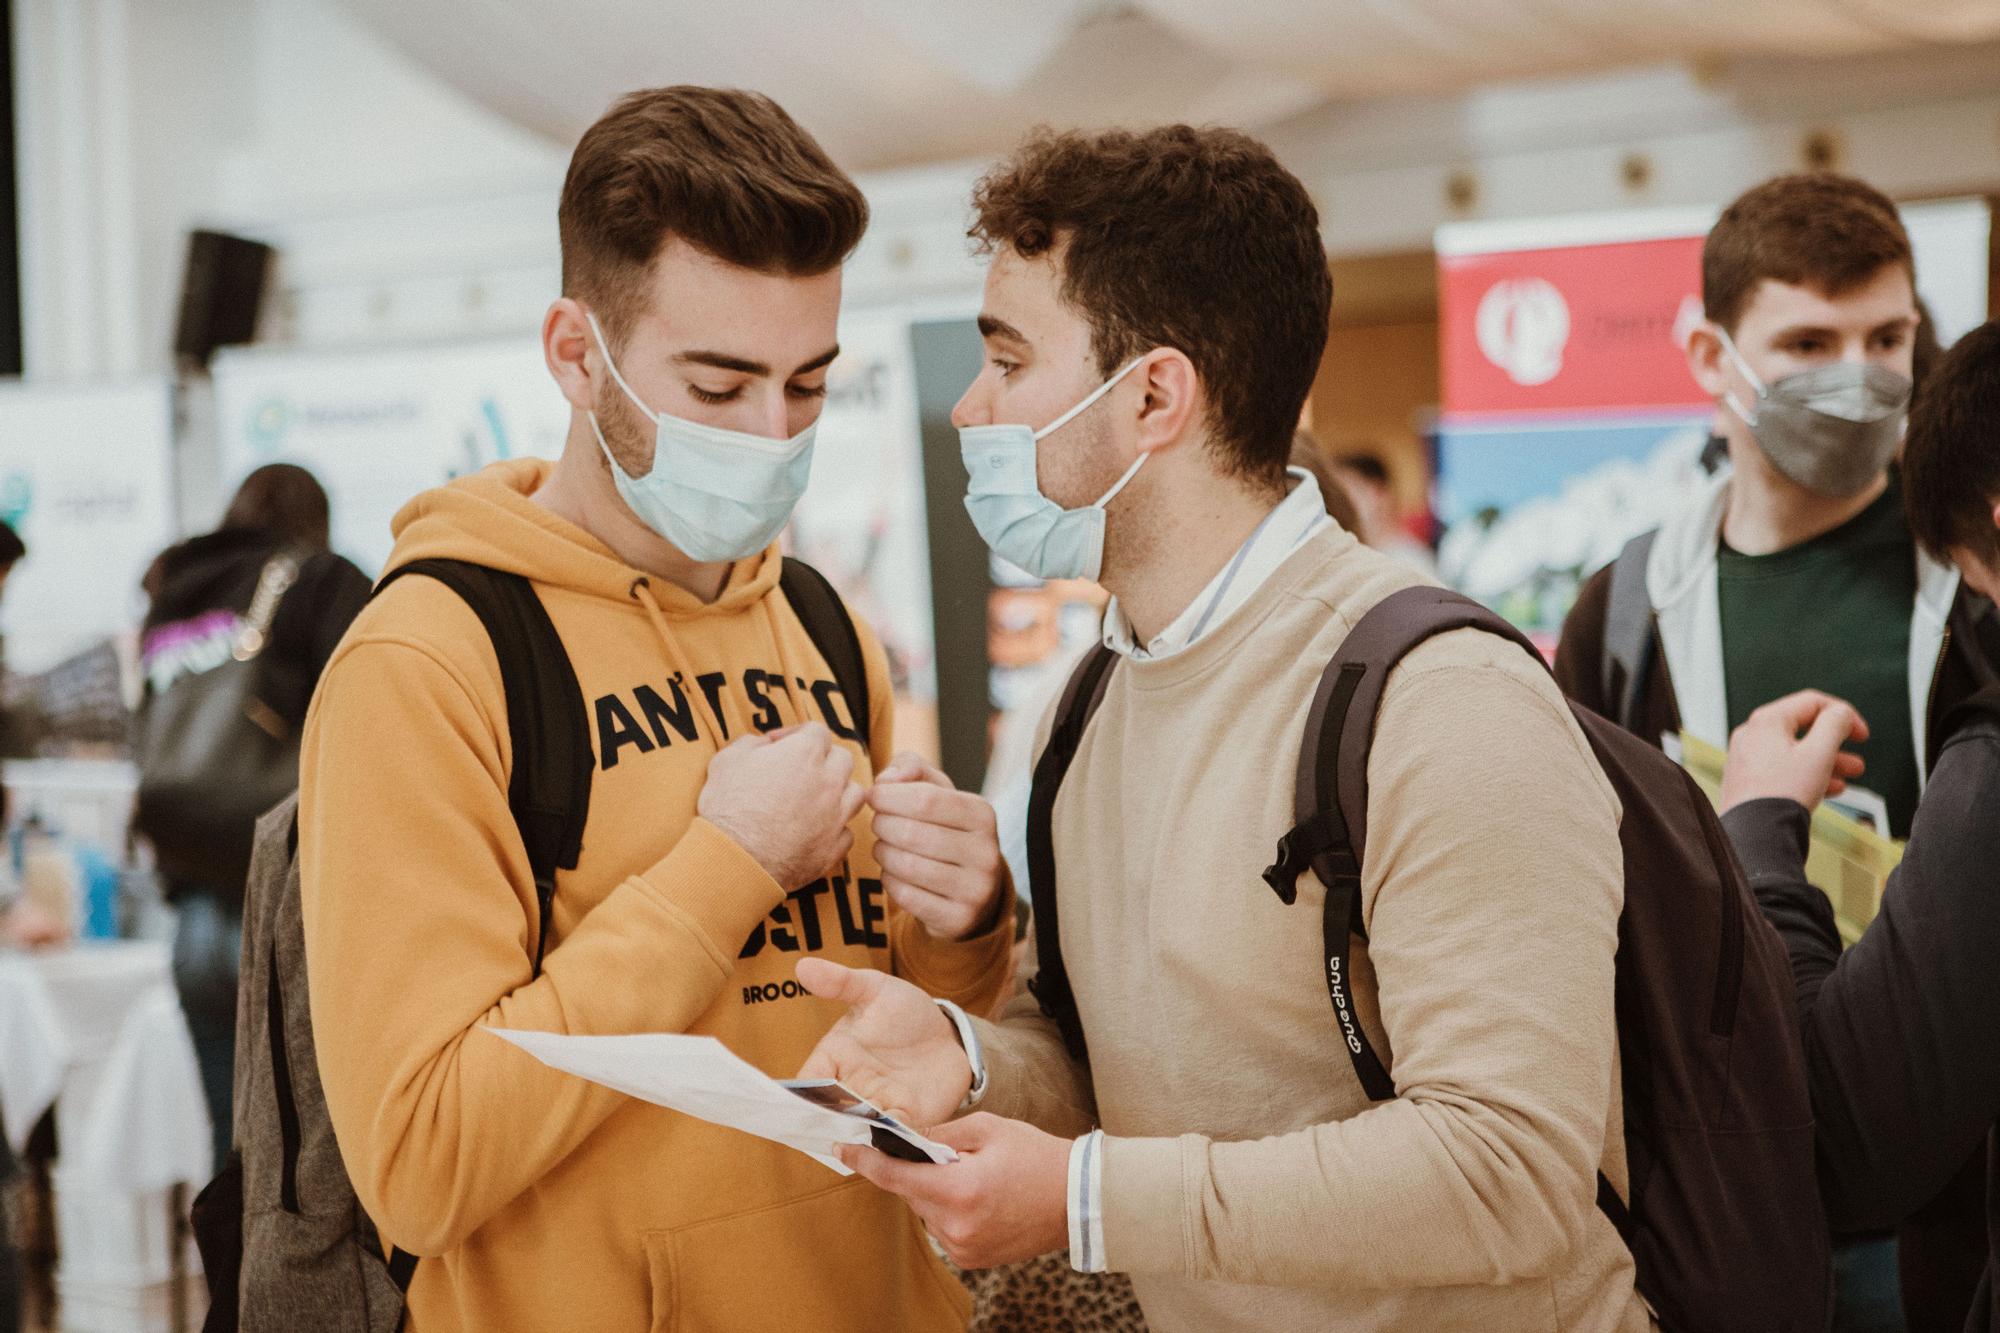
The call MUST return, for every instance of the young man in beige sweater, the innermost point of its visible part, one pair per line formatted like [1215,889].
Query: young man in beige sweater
[1154,318]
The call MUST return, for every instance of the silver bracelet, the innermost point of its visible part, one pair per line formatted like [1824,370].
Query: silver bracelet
[968,1038]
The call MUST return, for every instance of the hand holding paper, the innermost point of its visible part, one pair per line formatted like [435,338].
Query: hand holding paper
[701,1077]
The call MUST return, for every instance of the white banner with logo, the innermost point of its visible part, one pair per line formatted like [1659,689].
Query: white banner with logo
[86,478]
[378,427]
[862,521]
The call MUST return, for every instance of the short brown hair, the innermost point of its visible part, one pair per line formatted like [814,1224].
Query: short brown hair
[1195,239]
[1830,233]
[726,171]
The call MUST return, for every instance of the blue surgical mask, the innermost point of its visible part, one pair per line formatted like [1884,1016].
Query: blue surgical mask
[1021,524]
[715,494]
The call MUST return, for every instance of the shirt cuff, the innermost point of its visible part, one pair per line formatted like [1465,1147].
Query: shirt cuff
[1086,1214]
[968,1038]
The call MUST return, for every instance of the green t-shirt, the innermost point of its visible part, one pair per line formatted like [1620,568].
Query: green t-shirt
[1832,614]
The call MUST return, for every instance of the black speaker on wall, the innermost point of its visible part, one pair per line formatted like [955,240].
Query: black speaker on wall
[10,238]
[221,293]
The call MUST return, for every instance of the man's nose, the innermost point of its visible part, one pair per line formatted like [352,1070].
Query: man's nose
[970,410]
[776,422]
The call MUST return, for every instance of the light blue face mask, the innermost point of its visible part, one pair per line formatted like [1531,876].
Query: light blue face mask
[715,494]
[1021,524]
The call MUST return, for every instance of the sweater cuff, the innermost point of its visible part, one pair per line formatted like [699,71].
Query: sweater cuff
[1142,1198]
[970,971]
[711,881]
[1771,836]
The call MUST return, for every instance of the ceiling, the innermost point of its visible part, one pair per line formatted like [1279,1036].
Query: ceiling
[889,83]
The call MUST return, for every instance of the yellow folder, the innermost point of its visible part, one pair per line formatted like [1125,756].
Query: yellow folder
[1848,861]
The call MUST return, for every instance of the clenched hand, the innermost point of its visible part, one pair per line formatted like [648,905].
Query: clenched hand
[787,799]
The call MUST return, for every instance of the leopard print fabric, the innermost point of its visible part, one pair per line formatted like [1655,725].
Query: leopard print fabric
[1046,1295]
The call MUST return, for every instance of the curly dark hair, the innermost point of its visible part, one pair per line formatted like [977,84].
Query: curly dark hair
[1195,239]
[1951,462]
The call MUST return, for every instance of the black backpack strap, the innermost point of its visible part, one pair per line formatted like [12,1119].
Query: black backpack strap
[1628,634]
[1330,802]
[549,789]
[1080,699]
[827,623]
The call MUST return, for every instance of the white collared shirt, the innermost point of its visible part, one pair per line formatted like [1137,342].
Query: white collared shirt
[1291,521]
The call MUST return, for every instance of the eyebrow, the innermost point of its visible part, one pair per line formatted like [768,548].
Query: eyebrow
[724,361]
[990,327]
[1825,331]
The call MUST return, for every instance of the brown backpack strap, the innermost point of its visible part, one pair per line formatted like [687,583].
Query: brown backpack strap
[1330,802]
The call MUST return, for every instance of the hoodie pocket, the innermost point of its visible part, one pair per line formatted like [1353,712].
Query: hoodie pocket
[846,1259]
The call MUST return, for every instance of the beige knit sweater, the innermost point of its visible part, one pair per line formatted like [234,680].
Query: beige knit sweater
[1248,1182]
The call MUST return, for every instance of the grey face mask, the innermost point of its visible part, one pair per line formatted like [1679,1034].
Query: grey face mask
[1833,429]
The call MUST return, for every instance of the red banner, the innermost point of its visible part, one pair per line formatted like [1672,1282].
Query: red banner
[1572,329]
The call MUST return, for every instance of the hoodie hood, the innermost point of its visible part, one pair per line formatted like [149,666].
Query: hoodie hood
[490,518]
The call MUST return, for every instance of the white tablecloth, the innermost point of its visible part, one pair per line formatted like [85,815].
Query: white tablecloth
[97,1031]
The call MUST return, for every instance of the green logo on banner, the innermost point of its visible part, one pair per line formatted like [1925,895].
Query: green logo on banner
[17,497]
[268,423]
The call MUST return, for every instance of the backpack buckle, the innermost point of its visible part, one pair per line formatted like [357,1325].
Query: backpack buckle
[1283,874]
[1300,847]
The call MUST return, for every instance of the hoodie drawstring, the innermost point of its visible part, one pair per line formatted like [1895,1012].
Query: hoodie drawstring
[804,706]
[802,700]
[642,593]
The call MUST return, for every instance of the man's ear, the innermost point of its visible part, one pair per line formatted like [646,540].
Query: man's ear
[1172,390]
[1705,360]
[566,346]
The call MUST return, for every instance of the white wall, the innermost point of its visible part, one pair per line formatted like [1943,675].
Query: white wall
[1923,125]
[277,118]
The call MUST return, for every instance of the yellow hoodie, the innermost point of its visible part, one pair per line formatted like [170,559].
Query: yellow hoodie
[539,1201]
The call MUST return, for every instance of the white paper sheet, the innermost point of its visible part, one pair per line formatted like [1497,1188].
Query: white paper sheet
[701,1077]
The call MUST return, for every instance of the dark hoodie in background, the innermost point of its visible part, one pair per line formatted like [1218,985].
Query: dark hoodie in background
[201,589]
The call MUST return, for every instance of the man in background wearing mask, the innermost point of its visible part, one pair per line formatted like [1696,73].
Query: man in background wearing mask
[703,234]
[1796,570]
[1154,318]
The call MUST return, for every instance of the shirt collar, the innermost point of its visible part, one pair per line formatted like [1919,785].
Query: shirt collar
[1293,519]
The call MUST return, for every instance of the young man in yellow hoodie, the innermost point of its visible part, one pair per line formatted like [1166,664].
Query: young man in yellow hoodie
[737,820]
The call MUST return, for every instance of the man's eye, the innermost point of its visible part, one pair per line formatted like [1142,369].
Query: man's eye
[1005,368]
[701,395]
